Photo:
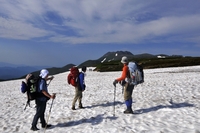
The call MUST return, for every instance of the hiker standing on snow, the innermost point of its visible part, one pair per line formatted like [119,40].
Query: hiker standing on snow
[42,100]
[128,88]
[79,89]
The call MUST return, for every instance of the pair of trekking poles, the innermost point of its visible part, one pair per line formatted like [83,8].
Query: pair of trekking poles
[49,110]
[48,115]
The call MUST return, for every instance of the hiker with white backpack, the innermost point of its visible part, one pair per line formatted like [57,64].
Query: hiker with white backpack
[130,77]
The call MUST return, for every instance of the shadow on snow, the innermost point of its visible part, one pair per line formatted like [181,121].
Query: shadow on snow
[93,120]
[173,105]
[106,104]
[99,118]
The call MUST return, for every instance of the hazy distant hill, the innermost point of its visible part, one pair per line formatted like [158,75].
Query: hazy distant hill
[16,72]
[12,71]
[4,64]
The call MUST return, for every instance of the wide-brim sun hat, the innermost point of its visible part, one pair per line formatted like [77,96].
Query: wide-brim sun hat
[124,59]
[44,73]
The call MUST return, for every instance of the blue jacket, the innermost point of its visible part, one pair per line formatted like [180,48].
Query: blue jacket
[43,87]
[81,81]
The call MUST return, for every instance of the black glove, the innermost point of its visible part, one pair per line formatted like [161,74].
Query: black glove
[123,82]
[115,82]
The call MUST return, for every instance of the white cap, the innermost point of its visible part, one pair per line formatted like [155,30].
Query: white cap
[44,73]
[124,59]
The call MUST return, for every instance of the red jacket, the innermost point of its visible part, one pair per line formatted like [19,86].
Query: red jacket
[124,73]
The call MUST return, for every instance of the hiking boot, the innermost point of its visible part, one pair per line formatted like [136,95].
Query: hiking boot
[128,111]
[34,128]
[46,126]
[73,108]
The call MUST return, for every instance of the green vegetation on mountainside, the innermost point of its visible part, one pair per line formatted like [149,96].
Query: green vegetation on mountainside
[151,63]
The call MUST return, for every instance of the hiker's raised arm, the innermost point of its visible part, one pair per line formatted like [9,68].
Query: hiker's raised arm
[50,78]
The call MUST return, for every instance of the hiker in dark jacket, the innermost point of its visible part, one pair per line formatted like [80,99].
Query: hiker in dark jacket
[79,89]
[128,88]
[42,100]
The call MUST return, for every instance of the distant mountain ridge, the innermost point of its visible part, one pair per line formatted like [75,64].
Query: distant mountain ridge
[4,64]
[117,55]
[7,73]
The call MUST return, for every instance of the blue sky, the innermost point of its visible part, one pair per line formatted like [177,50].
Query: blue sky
[59,32]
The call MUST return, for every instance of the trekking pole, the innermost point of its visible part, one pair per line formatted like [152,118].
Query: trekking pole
[27,104]
[50,81]
[48,115]
[114,101]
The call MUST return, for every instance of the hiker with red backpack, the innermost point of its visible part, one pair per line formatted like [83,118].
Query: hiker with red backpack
[76,79]
[128,88]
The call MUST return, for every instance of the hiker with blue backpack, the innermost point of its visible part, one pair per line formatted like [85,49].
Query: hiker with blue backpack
[132,74]
[41,100]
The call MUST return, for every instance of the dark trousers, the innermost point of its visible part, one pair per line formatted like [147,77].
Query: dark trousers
[40,110]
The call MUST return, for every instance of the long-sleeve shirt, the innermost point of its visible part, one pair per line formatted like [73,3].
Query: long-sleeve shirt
[81,80]
[43,87]
[124,73]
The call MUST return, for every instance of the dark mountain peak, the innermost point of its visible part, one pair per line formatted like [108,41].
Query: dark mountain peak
[118,53]
[124,53]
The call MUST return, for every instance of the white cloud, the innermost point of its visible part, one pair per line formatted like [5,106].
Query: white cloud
[14,29]
[99,21]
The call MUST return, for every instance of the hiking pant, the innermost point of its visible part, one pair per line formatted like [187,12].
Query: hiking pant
[40,110]
[78,96]
[128,90]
